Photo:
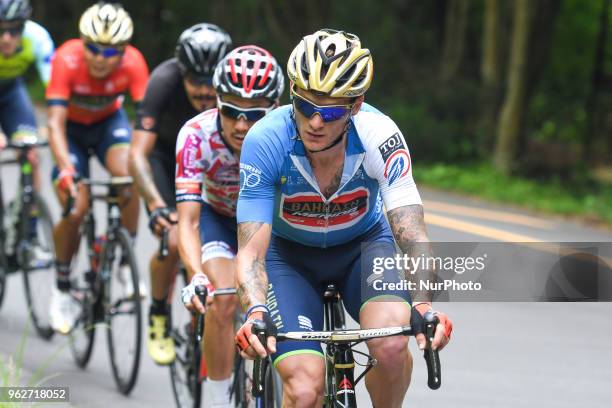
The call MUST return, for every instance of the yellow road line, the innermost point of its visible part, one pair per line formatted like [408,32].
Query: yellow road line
[497,234]
[471,228]
[485,214]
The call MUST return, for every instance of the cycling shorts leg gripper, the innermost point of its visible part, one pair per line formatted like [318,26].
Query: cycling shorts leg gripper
[216,249]
[283,356]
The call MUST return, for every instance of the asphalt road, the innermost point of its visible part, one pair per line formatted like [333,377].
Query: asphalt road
[501,355]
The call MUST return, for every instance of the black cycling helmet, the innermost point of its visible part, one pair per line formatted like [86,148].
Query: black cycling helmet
[199,49]
[15,10]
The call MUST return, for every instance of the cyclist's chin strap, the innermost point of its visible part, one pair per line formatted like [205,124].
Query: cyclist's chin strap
[332,144]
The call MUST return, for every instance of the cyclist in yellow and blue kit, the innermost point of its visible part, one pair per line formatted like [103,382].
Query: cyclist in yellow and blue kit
[22,43]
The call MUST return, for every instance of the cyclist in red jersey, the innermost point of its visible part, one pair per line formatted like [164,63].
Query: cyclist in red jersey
[89,77]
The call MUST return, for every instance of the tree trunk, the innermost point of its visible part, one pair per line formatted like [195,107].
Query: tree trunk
[490,67]
[596,143]
[491,74]
[513,109]
[454,38]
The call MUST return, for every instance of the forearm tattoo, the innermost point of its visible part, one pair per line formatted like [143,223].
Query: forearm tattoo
[253,288]
[408,226]
[246,230]
[252,278]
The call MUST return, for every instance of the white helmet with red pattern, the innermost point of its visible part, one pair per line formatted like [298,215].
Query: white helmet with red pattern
[249,72]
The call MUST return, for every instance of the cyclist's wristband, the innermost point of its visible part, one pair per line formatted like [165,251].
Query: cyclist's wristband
[252,309]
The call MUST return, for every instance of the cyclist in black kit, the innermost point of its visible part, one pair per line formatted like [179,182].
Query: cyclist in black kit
[178,89]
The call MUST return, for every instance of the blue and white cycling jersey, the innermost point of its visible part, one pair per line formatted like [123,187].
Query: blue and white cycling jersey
[278,186]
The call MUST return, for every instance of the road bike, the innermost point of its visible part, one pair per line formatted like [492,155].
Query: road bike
[339,360]
[96,285]
[26,239]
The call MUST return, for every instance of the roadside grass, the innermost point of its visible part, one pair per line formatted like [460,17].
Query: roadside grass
[11,370]
[591,201]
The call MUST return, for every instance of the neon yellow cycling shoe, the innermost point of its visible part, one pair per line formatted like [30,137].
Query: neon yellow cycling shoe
[159,343]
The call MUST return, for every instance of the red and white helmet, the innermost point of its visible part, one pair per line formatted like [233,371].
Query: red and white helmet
[249,72]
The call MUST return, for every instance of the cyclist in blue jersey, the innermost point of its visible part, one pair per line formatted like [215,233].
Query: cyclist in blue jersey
[22,43]
[316,178]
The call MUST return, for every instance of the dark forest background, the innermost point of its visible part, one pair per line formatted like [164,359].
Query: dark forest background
[523,84]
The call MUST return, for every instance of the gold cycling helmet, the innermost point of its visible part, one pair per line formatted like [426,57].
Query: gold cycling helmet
[332,63]
[106,23]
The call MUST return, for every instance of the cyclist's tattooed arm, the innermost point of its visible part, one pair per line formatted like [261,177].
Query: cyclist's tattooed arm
[408,226]
[140,169]
[252,279]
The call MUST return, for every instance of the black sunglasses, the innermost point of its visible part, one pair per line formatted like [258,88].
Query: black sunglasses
[14,31]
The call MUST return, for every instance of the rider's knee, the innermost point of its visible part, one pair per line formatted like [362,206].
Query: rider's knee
[224,309]
[303,389]
[389,351]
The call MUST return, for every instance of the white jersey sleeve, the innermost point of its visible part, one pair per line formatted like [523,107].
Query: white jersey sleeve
[43,49]
[387,159]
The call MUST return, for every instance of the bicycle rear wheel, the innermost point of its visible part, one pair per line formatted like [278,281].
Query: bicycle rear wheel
[123,312]
[39,274]
[186,373]
[3,260]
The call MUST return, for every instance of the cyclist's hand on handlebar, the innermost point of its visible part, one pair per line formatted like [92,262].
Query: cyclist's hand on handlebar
[443,329]
[2,141]
[247,342]
[189,297]
[162,218]
[66,181]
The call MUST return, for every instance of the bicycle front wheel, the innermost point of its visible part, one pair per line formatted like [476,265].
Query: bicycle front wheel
[37,264]
[186,373]
[243,385]
[3,270]
[84,283]
[123,312]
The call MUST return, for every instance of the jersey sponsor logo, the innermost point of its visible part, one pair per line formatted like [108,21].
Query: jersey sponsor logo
[304,323]
[391,145]
[121,132]
[396,158]
[308,211]
[397,166]
[249,176]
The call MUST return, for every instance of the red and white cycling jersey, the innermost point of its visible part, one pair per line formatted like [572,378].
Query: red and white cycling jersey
[206,169]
